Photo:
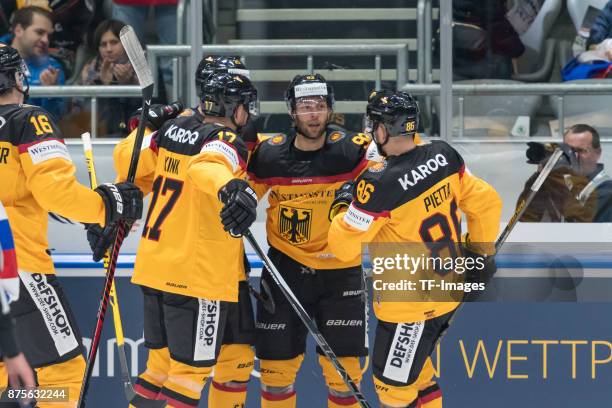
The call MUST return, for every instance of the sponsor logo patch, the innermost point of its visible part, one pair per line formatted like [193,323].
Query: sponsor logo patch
[48,304]
[403,350]
[422,171]
[48,149]
[207,328]
[180,135]
[358,219]
[225,150]
[313,89]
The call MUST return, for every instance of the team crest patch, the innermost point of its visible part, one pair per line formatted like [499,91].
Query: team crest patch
[378,167]
[277,140]
[294,224]
[336,136]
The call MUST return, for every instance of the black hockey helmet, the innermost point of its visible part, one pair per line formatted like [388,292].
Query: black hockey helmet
[11,63]
[309,85]
[211,64]
[397,111]
[223,92]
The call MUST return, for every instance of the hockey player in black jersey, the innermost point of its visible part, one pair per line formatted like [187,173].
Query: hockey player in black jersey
[412,196]
[301,170]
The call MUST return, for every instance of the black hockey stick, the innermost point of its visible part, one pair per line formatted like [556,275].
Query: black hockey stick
[535,187]
[145,78]
[128,386]
[308,322]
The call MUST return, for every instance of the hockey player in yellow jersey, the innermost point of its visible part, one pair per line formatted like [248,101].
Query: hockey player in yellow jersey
[37,176]
[392,202]
[189,262]
[301,170]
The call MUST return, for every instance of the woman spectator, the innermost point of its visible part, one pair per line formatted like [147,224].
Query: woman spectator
[111,67]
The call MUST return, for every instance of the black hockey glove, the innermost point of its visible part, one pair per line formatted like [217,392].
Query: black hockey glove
[156,116]
[100,239]
[240,207]
[343,197]
[121,200]
[483,269]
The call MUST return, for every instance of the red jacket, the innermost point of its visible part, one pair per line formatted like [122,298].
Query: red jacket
[146,2]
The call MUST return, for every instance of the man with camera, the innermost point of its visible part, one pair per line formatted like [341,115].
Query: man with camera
[578,189]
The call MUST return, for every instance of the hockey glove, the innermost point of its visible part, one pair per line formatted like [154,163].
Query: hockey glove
[122,201]
[240,207]
[156,116]
[483,269]
[100,239]
[342,199]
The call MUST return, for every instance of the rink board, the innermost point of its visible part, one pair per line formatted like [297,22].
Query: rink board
[577,335]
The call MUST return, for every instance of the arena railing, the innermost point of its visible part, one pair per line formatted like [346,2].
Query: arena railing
[461,90]
[92,92]
[400,50]
[560,90]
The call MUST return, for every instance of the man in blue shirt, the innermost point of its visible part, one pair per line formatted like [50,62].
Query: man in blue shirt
[32,26]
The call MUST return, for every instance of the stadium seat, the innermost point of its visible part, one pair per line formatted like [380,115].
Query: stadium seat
[537,62]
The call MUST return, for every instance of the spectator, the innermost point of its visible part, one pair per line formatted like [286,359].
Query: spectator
[485,43]
[31,28]
[580,193]
[111,67]
[134,13]
[71,21]
[601,28]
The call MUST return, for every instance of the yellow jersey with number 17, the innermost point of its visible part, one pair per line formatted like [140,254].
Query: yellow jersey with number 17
[184,249]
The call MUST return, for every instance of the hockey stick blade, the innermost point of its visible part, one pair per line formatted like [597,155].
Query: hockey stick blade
[308,322]
[137,58]
[136,55]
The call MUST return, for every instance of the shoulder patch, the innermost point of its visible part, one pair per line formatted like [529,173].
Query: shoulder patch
[277,140]
[378,167]
[336,136]
[187,112]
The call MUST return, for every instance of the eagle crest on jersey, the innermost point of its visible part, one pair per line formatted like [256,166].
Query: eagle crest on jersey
[294,224]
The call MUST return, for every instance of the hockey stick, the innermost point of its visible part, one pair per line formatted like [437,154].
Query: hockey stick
[145,79]
[535,187]
[520,209]
[128,386]
[308,322]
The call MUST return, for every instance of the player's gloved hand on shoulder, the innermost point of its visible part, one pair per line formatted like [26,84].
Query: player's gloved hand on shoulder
[100,239]
[342,198]
[156,115]
[240,207]
[121,200]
